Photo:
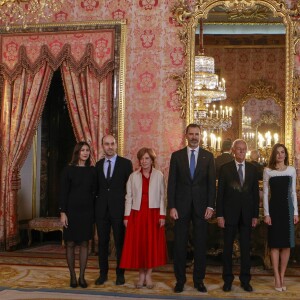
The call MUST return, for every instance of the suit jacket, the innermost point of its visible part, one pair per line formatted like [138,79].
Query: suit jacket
[156,192]
[235,201]
[183,191]
[111,194]
[221,160]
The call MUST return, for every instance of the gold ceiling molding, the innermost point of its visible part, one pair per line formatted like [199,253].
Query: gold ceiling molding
[255,13]
[188,15]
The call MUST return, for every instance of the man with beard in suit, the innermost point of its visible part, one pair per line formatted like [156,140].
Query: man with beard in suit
[113,172]
[225,157]
[191,197]
[237,210]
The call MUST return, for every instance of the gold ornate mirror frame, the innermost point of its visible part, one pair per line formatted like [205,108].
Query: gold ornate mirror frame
[188,15]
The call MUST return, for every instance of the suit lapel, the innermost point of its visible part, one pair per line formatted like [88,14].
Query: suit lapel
[117,163]
[185,160]
[200,158]
[235,172]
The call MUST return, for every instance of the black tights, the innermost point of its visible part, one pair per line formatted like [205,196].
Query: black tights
[83,257]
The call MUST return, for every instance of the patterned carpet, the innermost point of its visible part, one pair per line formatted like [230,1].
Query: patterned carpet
[36,274]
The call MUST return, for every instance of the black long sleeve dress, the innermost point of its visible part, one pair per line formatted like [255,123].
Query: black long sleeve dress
[77,193]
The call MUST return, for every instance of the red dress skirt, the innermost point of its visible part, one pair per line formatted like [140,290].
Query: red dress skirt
[145,242]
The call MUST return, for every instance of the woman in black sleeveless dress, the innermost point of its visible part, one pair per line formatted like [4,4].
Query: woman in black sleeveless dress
[77,192]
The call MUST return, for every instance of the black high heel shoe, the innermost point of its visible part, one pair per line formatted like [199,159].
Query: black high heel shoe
[73,283]
[82,283]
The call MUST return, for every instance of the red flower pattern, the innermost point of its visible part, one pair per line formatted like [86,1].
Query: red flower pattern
[146,83]
[89,5]
[147,38]
[177,56]
[61,16]
[118,14]
[148,4]
[101,48]
[11,52]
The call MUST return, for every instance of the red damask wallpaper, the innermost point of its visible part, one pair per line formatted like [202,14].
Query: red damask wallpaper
[154,52]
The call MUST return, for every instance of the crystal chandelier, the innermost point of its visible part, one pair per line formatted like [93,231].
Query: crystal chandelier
[207,89]
[14,12]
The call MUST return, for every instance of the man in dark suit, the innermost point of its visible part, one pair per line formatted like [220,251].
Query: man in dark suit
[225,157]
[237,210]
[191,197]
[113,172]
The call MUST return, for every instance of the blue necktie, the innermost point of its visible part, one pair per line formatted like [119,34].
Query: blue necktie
[108,170]
[240,172]
[192,163]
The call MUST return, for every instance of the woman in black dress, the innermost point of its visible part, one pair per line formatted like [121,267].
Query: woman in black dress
[280,211]
[78,187]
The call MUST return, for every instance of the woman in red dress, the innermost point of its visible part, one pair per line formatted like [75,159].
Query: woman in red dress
[144,218]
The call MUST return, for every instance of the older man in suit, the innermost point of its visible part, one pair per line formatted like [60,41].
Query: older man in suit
[113,172]
[237,210]
[191,197]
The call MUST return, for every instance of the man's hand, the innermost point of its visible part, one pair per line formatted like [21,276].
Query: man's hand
[296,219]
[221,222]
[125,222]
[208,213]
[64,219]
[254,222]
[174,213]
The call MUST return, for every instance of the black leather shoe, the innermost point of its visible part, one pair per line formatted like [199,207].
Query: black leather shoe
[73,283]
[227,287]
[200,287]
[82,283]
[247,287]
[101,279]
[178,288]
[120,280]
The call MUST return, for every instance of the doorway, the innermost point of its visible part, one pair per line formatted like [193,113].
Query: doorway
[57,143]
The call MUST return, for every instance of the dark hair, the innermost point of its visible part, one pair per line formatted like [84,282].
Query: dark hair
[145,150]
[76,154]
[192,125]
[226,145]
[272,159]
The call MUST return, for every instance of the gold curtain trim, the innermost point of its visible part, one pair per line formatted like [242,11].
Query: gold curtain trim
[55,62]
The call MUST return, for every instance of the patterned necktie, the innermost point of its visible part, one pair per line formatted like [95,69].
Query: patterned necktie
[192,163]
[108,170]
[240,172]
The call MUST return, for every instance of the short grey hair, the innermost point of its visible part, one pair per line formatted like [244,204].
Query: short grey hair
[238,141]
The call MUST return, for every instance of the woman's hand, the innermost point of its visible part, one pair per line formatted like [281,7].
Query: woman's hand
[162,222]
[267,220]
[296,219]
[125,222]
[64,219]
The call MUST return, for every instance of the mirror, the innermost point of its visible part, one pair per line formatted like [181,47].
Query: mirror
[222,17]
[261,115]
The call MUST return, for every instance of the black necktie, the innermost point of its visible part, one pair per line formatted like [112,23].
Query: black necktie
[108,170]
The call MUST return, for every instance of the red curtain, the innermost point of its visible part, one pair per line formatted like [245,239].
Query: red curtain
[89,103]
[21,107]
